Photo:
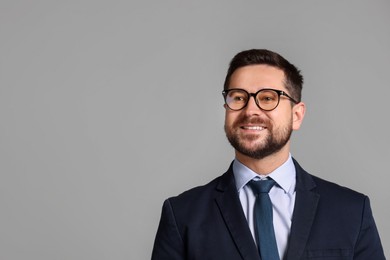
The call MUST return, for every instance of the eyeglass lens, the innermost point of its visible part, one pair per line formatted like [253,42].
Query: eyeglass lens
[265,99]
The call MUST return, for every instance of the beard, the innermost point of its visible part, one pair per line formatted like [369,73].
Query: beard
[249,144]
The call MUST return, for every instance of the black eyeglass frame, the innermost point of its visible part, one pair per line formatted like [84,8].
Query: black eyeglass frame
[279,92]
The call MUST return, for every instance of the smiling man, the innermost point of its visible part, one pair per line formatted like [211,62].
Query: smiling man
[266,206]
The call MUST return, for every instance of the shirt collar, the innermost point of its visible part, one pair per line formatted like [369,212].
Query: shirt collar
[284,175]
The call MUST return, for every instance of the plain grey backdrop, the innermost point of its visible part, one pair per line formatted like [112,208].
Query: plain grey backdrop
[109,107]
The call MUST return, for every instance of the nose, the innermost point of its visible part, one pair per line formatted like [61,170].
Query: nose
[252,108]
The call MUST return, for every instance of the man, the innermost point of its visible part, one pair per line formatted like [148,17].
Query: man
[300,216]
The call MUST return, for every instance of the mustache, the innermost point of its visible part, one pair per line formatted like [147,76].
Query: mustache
[251,120]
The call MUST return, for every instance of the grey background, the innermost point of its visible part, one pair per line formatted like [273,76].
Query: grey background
[109,107]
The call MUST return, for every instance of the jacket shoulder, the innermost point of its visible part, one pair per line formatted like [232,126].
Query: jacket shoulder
[327,187]
[324,187]
[203,192]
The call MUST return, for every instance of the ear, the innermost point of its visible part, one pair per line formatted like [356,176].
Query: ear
[298,115]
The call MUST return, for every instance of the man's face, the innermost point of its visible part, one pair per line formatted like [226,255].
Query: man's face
[252,131]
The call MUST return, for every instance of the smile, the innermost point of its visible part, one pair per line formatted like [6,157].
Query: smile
[255,128]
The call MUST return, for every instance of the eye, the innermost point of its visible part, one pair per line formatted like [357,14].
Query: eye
[265,97]
[238,98]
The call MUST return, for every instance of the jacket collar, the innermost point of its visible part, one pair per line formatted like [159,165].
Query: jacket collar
[305,208]
[231,210]
[306,202]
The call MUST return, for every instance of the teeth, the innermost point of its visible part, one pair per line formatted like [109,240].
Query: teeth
[253,127]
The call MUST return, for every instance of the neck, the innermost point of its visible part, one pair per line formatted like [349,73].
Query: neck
[266,165]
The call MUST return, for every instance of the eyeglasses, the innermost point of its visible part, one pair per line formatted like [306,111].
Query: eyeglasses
[266,99]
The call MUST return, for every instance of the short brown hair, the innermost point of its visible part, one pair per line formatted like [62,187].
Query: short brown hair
[293,77]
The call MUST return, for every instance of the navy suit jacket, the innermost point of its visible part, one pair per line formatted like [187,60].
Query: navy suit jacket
[329,222]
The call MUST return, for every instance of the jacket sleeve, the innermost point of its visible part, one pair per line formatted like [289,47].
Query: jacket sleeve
[168,244]
[368,245]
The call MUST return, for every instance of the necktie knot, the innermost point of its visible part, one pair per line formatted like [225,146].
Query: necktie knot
[263,186]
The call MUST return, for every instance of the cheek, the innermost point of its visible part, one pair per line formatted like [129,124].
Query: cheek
[281,120]
[229,118]
[226,118]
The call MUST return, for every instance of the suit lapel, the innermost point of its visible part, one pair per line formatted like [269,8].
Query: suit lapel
[304,212]
[231,210]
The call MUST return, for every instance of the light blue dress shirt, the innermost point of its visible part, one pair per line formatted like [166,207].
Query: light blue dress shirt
[282,197]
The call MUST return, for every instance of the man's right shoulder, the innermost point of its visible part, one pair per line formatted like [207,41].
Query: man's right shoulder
[198,191]
[205,193]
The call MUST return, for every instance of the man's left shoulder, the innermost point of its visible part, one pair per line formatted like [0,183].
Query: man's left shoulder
[325,186]
[339,202]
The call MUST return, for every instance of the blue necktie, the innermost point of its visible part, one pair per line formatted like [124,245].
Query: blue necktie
[264,227]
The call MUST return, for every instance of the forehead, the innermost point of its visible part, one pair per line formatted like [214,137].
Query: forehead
[255,77]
